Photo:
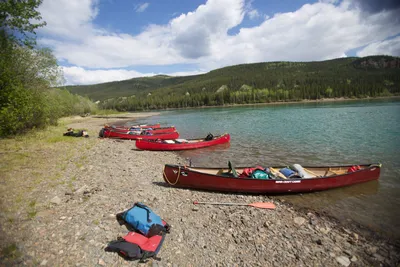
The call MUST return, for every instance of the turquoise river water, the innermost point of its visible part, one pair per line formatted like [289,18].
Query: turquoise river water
[327,133]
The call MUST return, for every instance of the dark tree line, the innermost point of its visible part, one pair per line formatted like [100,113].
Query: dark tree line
[269,82]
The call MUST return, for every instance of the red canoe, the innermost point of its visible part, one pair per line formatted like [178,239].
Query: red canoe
[320,178]
[181,144]
[169,129]
[112,134]
[127,127]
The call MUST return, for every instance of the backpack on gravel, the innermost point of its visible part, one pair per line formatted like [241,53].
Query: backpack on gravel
[142,219]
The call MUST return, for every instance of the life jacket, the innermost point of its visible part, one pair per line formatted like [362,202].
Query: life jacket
[135,246]
[104,132]
[354,168]
[247,172]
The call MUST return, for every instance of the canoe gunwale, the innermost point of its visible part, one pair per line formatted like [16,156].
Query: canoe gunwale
[118,135]
[193,169]
[195,143]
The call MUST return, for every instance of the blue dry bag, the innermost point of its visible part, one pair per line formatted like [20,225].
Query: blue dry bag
[142,219]
[287,172]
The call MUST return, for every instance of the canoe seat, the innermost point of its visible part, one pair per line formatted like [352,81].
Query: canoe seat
[169,141]
[179,141]
[226,174]
[331,173]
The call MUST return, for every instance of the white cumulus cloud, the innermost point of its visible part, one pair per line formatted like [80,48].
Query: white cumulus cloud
[79,75]
[253,14]
[317,31]
[142,7]
[387,47]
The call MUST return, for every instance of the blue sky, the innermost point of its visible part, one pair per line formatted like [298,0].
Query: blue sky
[106,40]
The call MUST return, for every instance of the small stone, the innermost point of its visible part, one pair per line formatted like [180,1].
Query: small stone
[353,259]
[195,209]
[348,253]
[324,230]
[56,200]
[355,236]
[378,257]
[82,189]
[245,218]
[299,220]
[43,263]
[337,249]
[101,262]
[371,250]
[343,260]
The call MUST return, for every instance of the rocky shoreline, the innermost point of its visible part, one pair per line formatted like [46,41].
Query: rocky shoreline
[75,219]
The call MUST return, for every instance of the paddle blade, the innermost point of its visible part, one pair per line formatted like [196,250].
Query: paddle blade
[263,205]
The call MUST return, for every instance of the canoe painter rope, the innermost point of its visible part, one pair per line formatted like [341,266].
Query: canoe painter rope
[177,177]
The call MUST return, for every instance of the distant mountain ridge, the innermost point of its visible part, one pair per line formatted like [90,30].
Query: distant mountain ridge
[364,74]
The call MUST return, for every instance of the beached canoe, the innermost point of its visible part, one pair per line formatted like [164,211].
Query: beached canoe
[142,126]
[217,179]
[113,134]
[133,130]
[181,144]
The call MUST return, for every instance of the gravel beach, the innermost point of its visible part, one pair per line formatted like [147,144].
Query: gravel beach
[74,218]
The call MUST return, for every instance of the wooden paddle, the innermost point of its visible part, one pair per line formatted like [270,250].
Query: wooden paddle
[261,205]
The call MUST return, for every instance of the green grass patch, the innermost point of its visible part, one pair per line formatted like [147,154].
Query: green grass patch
[108,112]
[63,167]
[32,209]
[58,139]
[32,214]
[43,156]
[11,252]
[70,185]
[32,204]
[78,164]
[19,198]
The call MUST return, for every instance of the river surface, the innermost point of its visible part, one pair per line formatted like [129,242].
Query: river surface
[327,133]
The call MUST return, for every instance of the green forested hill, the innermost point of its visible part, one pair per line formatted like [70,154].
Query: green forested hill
[254,83]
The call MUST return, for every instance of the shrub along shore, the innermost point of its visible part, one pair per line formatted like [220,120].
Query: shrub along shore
[61,195]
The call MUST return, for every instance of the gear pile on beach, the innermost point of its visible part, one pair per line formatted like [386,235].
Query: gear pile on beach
[79,133]
[146,236]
